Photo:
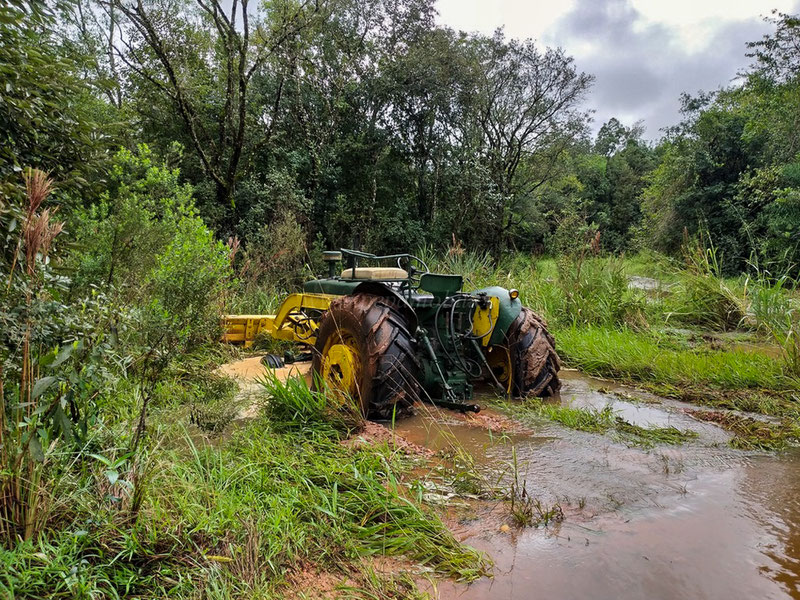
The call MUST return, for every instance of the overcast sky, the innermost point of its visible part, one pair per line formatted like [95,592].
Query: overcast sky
[643,53]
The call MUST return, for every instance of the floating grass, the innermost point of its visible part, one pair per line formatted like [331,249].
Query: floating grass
[648,437]
[603,420]
[754,434]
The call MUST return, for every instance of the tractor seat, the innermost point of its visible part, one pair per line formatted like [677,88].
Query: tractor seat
[375,273]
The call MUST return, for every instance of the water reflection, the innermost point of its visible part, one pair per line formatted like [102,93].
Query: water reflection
[699,521]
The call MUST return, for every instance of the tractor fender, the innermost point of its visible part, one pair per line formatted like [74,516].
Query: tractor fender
[509,310]
[376,288]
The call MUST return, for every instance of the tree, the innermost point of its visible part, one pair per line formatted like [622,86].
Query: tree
[526,112]
[202,57]
[48,118]
[777,54]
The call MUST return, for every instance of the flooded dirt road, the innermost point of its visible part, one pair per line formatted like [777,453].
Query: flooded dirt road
[694,521]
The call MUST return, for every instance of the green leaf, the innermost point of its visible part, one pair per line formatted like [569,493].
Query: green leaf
[112,476]
[35,448]
[64,355]
[42,385]
[102,459]
[64,423]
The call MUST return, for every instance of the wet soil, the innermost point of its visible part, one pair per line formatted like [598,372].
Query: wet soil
[251,368]
[697,521]
[248,371]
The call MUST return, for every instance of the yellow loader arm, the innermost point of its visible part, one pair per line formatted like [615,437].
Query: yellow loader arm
[297,320]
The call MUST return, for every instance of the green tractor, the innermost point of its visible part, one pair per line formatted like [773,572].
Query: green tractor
[391,333]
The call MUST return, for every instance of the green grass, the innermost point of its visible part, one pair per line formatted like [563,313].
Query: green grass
[640,357]
[651,264]
[754,434]
[230,517]
[293,406]
[648,437]
[601,421]
[583,419]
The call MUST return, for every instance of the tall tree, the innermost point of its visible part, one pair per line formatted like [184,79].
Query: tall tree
[49,119]
[201,56]
[527,112]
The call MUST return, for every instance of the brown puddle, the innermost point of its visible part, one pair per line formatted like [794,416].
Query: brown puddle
[248,371]
[251,369]
[694,521]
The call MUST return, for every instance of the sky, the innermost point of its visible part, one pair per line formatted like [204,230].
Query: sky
[643,53]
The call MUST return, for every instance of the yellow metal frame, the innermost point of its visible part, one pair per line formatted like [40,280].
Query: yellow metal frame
[289,323]
[485,319]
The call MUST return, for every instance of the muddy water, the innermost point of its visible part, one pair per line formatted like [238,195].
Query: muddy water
[696,521]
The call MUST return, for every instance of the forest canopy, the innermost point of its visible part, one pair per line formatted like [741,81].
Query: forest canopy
[364,120]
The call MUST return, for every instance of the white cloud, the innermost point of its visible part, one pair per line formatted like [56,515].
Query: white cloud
[521,18]
[644,53]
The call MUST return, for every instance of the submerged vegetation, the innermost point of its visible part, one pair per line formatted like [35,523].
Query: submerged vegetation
[604,421]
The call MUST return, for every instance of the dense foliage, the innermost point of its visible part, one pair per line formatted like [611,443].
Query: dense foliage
[365,121]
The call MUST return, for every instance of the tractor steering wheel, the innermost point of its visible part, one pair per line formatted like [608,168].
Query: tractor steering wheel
[416,268]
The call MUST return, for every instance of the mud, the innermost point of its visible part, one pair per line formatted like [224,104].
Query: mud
[375,433]
[695,521]
[251,369]
[306,581]
[248,371]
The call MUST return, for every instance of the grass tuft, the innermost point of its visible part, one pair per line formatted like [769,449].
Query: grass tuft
[648,437]
[594,420]
[292,406]
[754,434]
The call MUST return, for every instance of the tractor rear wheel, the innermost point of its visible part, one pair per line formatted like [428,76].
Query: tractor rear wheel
[532,357]
[365,350]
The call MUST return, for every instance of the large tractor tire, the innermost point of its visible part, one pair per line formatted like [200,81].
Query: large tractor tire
[529,365]
[365,350]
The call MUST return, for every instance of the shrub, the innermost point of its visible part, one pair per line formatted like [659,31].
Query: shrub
[188,281]
[119,237]
[276,256]
[54,364]
[702,297]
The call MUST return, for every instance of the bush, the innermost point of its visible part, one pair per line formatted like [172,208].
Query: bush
[187,284]
[119,237]
[55,364]
[275,257]
[702,297]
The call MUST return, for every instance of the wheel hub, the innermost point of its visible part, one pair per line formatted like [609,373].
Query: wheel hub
[340,368]
[499,361]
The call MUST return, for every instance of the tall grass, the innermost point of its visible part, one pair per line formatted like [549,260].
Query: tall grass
[702,296]
[776,309]
[24,435]
[292,406]
[232,518]
[638,357]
